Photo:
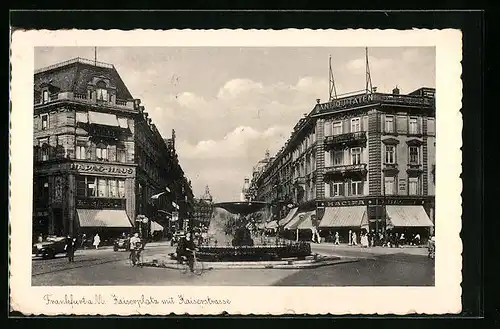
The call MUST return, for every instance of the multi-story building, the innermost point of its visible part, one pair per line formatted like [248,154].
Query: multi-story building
[87,130]
[361,162]
[203,209]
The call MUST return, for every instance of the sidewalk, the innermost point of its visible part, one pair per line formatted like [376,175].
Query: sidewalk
[344,249]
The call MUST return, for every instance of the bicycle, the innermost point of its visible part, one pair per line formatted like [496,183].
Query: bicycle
[136,257]
[183,265]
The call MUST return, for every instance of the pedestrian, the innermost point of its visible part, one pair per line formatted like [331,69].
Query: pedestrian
[337,238]
[97,240]
[40,238]
[396,240]
[350,237]
[354,239]
[364,240]
[70,248]
[402,240]
[417,239]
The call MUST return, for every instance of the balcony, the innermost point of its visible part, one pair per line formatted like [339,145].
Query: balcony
[390,167]
[344,170]
[83,98]
[347,140]
[414,169]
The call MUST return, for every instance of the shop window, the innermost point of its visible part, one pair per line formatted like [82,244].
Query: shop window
[121,188]
[414,155]
[356,155]
[413,186]
[389,185]
[357,188]
[91,188]
[102,188]
[355,125]
[390,154]
[101,152]
[389,124]
[113,189]
[45,121]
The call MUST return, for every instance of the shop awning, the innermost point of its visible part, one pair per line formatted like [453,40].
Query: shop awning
[272,224]
[301,221]
[104,119]
[103,218]
[288,217]
[344,217]
[156,227]
[304,222]
[407,216]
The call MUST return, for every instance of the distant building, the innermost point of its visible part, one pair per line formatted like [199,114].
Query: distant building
[361,162]
[203,208]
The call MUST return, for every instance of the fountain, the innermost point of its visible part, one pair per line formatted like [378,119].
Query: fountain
[231,244]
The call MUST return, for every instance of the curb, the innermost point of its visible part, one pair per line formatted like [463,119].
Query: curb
[261,265]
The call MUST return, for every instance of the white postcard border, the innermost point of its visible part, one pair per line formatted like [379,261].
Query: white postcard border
[445,297]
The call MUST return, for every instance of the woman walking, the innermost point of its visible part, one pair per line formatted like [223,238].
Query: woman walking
[97,240]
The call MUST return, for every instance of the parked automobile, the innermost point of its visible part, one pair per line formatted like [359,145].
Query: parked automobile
[121,243]
[49,248]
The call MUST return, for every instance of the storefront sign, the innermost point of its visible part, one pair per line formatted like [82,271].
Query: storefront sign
[100,203]
[370,202]
[102,169]
[373,98]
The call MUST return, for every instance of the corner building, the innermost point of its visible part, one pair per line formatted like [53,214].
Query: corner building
[364,162]
[85,173]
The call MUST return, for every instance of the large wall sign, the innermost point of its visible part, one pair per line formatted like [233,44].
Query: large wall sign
[364,99]
[102,169]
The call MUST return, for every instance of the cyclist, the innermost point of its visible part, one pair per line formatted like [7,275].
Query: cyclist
[135,248]
[186,248]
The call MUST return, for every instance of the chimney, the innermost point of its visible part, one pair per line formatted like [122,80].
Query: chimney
[395,91]
[318,100]
[374,89]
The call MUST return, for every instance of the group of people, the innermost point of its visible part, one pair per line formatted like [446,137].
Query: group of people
[387,239]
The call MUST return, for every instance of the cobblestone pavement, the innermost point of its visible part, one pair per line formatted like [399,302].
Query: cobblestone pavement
[106,267]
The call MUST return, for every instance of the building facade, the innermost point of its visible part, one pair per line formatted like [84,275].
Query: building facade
[86,169]
[361,162]
[203,209]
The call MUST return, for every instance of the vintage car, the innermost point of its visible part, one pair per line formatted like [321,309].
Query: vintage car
[121,243]
[49,248]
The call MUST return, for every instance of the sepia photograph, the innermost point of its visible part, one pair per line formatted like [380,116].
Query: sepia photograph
[234,160]
[235,166]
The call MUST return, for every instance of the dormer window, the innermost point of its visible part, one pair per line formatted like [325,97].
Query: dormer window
[45,96]
[101,92]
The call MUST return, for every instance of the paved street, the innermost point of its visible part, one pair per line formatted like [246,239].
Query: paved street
[377,266]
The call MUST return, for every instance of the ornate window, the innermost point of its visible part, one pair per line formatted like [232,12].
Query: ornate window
[355,125]
[413,126]
[336,189]
[389,124]
[356,155]
[81,152]
[356,188]
[413,186]
[45,96]
[390,154]
[337,128]
[414,155]
[45,121]
[102,92]
[389,185]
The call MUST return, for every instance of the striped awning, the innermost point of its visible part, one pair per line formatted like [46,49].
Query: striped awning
[407,216]
[301,221]
[288,217]
[344,217]
[105,119]
[305,223]
[103,218]
[156,227]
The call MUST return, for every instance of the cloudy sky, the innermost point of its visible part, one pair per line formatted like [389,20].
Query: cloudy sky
[228,105]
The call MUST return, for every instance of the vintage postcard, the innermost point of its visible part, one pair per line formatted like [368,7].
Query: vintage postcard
[240,171]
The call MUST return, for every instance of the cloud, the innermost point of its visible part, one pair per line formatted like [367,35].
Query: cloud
[236,87]
[242,142]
